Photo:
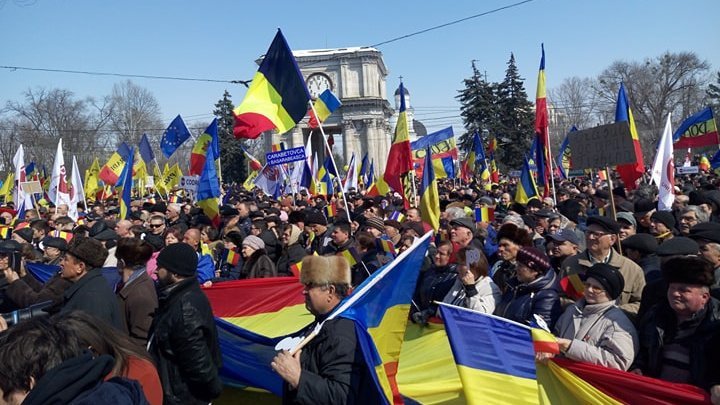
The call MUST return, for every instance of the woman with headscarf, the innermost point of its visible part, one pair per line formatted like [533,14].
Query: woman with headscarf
[593,329]
[257,263]
[136,292]
[292,251]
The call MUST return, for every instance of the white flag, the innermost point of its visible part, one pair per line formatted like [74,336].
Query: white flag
[351,179]
[77,191]
[58,191]
[22,199]
[663,170]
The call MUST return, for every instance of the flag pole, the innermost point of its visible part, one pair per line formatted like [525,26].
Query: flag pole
[332,158]
[552,171]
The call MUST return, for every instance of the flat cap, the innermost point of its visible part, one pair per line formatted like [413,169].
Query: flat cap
[678,245]
[609,224]
[642,242]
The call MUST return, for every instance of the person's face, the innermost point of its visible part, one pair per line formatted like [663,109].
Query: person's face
[122,228]
[413,215]
[52,253]
[461,235]
[563,249]
[243,210]
[246,251]
[71,267]
[658,228]
[186,209]
[687,221]
[319,299]
[170,239]
[191,238]
[507,249]
[626,230]
[4,261]
[553,226]
[254,230]
[687,299]
[164,277]
[442,255]
[14,397]
[6,217]
[339,236]
[157,227]
[525,274]
[645,219]
[594,292]
[391,231]
[598,240]
[711,252]
[285,237]
[505,199]
[229,245]
[373,231]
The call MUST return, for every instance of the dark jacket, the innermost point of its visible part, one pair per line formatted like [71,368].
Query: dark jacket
[228,271]
[290,255]
[258,265]
[433,285]
[273,247]
[79,380]
[93,295]
[333,369]
[138,301]
[333,249]
[659,327]
[28,290]
[368,264]
[521,301]
[650,265]
[184,345]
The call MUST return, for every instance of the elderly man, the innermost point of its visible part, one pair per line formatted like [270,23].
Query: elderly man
[122,228]
[690,216]
[329,369]
[679,336]
[462,234]
[600,237]
[707,235]
[205,266]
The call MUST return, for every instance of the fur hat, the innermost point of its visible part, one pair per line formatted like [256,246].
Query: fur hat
[688,270]
[88,250]
[324,270]
[515,234]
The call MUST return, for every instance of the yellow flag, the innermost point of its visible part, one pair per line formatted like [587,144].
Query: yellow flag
[172,178]
[91,179]
[7,187]
[159,184]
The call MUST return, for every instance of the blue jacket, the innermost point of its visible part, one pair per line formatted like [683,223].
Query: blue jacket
[540,297]
[205,268]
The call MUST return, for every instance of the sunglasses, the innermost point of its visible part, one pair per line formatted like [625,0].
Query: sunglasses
[155,225]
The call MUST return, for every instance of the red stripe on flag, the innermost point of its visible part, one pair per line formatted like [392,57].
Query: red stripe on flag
[286,291]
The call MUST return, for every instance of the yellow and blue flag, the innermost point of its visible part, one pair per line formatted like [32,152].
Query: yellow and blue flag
[699,129]
[208,190]
[526,188]
[494,356]
[629,172]
[324,106]
[429,196]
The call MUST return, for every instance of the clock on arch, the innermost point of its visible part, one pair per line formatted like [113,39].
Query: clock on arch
[317,83]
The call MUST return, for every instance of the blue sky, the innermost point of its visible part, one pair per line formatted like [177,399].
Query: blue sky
[221,40]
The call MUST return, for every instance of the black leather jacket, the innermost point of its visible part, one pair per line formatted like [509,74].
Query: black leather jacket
[185,346]
[521,301]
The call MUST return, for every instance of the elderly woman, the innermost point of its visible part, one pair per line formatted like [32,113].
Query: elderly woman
[136,293]
[511,238]
[257,262]
[473,288]
[594,329]
[532,291]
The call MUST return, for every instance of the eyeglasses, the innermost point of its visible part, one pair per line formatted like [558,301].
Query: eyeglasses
[596,235]
[156,225]
[310,286]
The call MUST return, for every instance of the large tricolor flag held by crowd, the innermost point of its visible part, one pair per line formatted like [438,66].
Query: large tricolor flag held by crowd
[278,96]
[699,129]
[663,170]
[542,152]
[630,172]
[110,172]
[399,162]
[58,191]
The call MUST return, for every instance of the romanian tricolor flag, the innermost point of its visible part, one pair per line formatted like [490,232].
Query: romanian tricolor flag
[110,173]
[324,106]
[278,96]
[386,246]
[572,286]
[563,161]
[199,151]
[484,214]
[350,254]
[429,196]
[444,153]
[296,268]
[5,231]
[67,236]
[630,172]
[542,152]
[277,147]
[330,211]
[208,191]
[399,161]
[232,257]
[254,164]
[699,129]
[526,188]
[492,147]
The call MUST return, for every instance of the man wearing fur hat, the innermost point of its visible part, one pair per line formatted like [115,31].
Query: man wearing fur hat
[329,369]
[680,336]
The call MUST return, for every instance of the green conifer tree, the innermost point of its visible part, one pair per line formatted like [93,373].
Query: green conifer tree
[516,119]
[232,159]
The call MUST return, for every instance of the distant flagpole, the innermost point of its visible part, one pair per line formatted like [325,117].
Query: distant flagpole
[332,159]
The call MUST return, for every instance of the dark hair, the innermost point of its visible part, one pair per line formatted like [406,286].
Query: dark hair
[481,267]
[29,350]
[342,290]
[63,220]
[366,241]
[176,231]
[137,230]
[212,233]
[260,224]
[39,225]
[343,226]
[133,252]
[100,337]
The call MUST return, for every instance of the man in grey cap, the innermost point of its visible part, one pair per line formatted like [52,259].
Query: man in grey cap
[600,237]
[462,233]
[565,243]
[628,225]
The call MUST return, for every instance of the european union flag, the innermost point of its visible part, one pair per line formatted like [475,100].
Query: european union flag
[174,136]
[146,151]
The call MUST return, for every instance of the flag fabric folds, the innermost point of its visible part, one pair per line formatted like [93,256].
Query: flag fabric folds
[542,152]
[444,153]
[127,184]
[91,178]
[58,192]
[429,196]
[22,199]
[110,172]
[663,170]
[630,172]
[77,192]
[699,129]
[208,190]
[278,96]
[146,151]
[494,357]
[526,189]
[563,161]
[174,136]
[351,177]
[399,161]
[254,164]
[324,106]
[200,150]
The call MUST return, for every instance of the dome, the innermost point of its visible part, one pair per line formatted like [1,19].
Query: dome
[397,92]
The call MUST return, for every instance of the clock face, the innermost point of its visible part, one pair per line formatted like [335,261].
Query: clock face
[317,83]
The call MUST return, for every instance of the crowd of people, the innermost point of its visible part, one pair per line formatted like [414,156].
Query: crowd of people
[618,282]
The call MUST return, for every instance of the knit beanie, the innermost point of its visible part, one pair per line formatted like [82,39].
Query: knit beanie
[179,258]
[664,217]
[375,222]
[534,259]
[609,278]
[254,242]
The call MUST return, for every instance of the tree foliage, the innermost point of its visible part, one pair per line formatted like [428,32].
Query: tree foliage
[478,110]
[232,159]
[516,118]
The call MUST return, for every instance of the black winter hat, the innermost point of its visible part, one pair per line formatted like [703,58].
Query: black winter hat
[534,258]
[315,217]
[570,209]
[609,224]
[664,217]
[26,234]
[688,270]
[642,242]
[609,277]
[678,245]
[179,258]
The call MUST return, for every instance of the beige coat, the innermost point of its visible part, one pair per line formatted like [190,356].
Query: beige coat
[629,300]
[600,333]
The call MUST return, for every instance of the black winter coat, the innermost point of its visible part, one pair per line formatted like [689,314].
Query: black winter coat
[333,369]
[290,255]
[541,296]
[184,345]
[29,291]
[433,284]
[658,327]
[93,294]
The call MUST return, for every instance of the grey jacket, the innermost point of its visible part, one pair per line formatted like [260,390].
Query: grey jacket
[600,333]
